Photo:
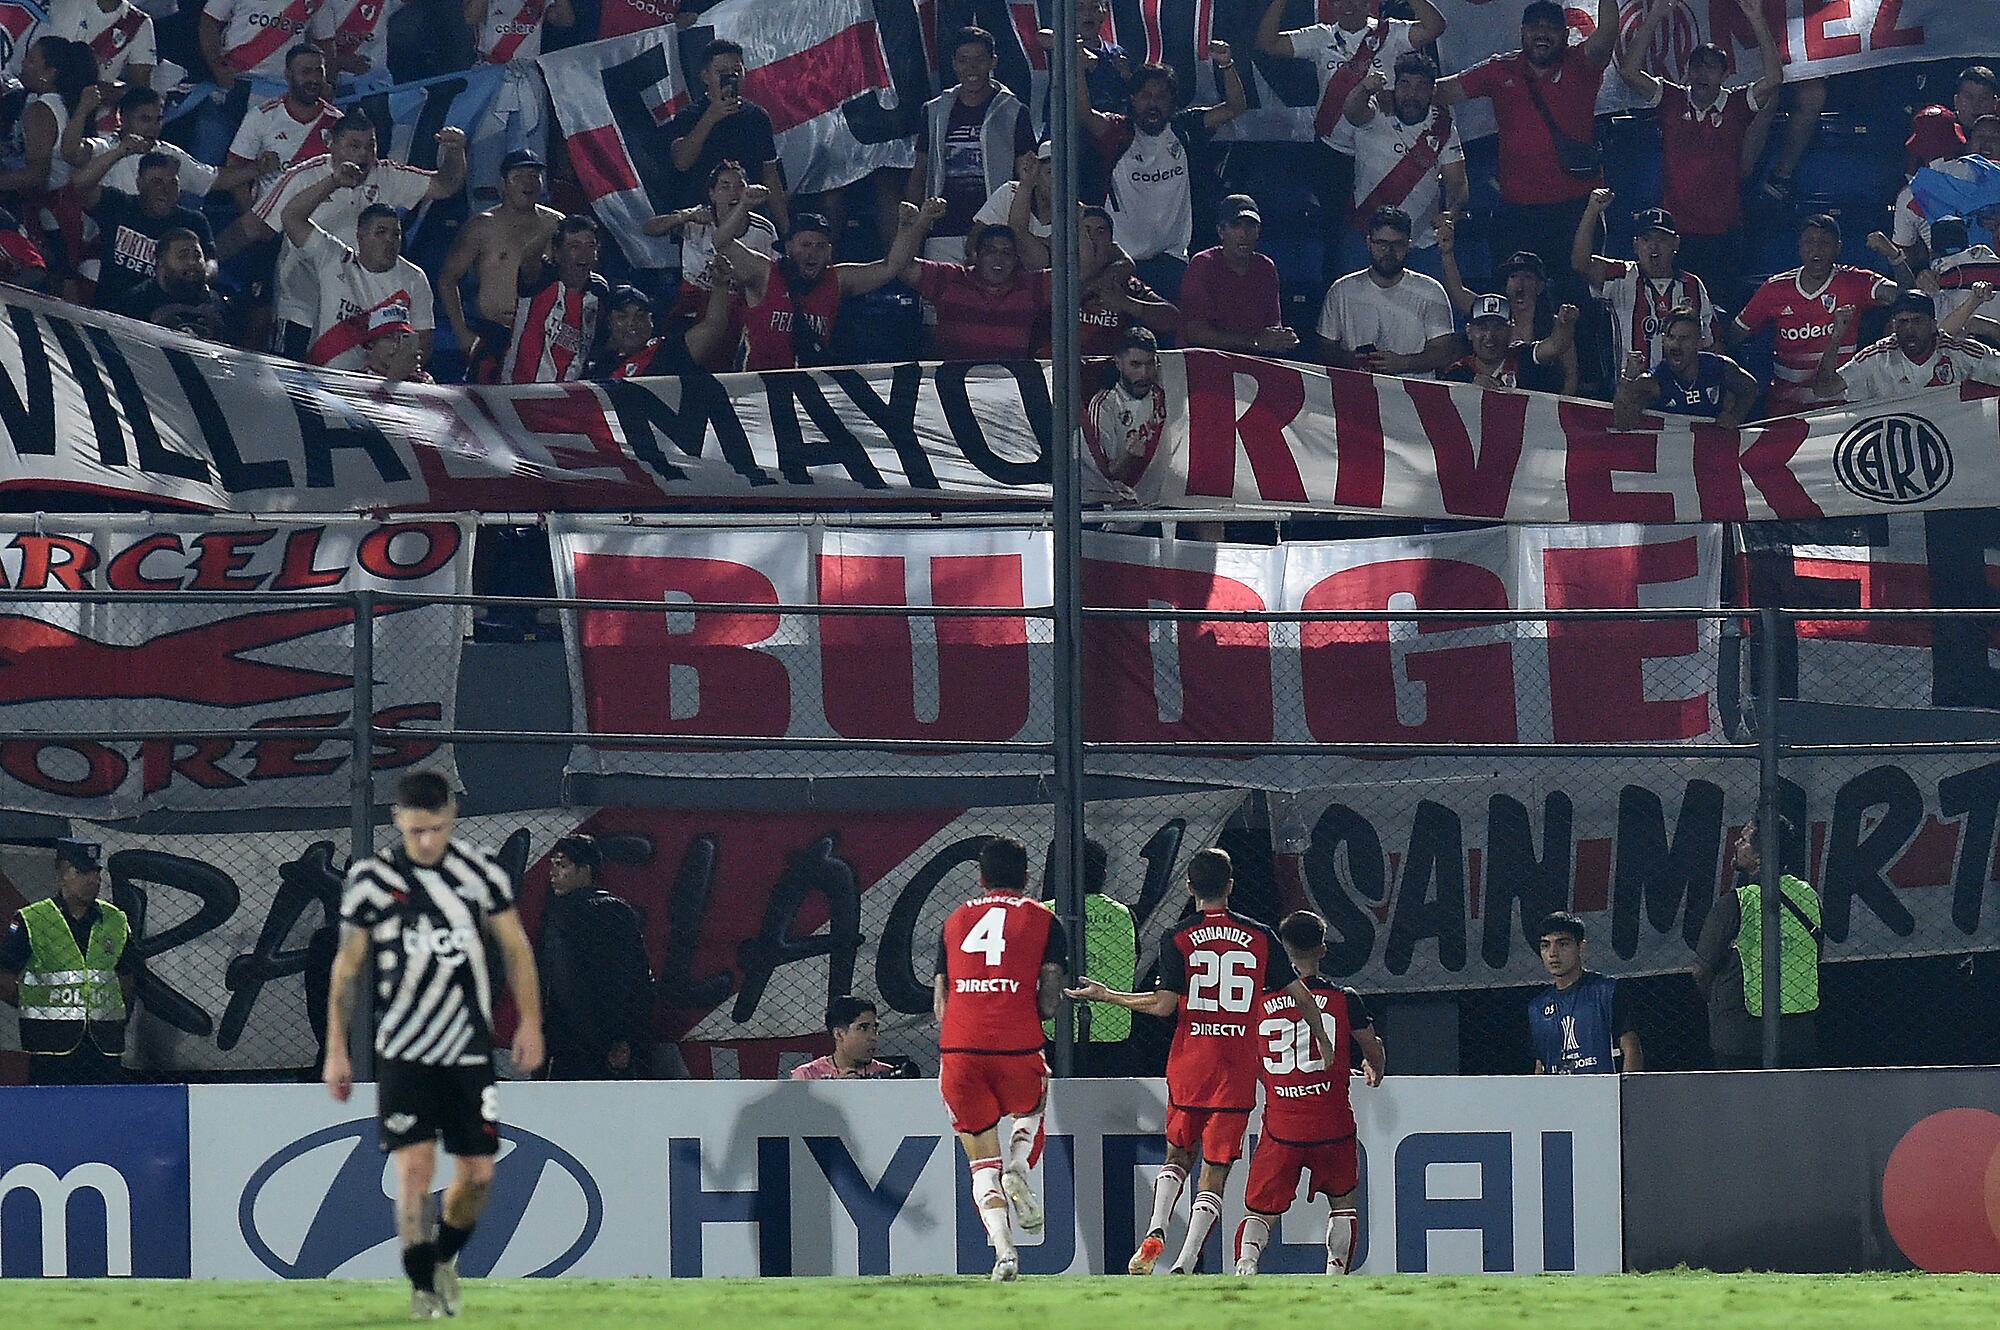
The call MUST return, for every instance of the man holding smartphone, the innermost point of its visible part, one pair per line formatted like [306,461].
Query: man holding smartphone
[724,126]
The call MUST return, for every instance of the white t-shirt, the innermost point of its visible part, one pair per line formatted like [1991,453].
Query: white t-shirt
[59,167]
[356,27]
[273,126]
[257,33]
[698,248]
[123,36]
[348,293]
[1985,265]
[1882,370]
[196,176]
[1400,318]
[1383,142]
[1330,47]
[401,187]
[1639,309]
[1000,203]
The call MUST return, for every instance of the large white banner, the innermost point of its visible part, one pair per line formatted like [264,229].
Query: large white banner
[1233,431]
[1814,38]
[1473,1175]
[682,674]
[72,664]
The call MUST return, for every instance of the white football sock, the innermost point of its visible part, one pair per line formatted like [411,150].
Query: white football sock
[1166,1195]
[1251,1235]
[1207,1209]
[992,1205]
[1024,1141]
[1340,1232]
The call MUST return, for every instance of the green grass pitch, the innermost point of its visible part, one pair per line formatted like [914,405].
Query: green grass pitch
[1638,1302]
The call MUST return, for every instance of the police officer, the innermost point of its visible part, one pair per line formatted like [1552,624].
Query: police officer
[1580,1023]
[67,963]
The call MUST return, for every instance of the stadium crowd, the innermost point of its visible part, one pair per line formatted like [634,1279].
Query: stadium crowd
[296,239]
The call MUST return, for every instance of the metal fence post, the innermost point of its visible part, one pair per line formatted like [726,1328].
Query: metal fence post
[361,829]
[1065,368]
[1770,850]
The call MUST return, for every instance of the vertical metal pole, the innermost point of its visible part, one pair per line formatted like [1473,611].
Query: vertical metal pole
[361,830]
[1065,368]
[1769,848]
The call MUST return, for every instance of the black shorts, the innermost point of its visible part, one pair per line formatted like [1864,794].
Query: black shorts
[415,1104]
[484,364]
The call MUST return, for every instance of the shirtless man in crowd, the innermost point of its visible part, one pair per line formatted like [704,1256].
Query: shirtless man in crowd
[493,244]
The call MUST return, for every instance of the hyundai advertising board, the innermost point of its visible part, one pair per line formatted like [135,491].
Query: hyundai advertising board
[686,1179]
[94,1181]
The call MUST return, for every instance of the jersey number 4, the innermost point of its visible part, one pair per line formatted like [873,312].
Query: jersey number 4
[988,937]
[1221,981]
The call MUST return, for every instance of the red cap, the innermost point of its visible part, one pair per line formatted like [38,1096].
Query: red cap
[1934,133]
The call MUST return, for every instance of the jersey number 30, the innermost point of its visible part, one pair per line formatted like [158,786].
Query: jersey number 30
[1289,1046]
[1221,981]
[988,937]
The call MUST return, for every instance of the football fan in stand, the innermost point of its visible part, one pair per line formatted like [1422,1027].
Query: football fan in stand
[426,912]
[1213,970]
[1000,966]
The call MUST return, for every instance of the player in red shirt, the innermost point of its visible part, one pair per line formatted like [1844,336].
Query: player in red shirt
[1000,968]
[1802,306]
[1213,968]
[1308,1121]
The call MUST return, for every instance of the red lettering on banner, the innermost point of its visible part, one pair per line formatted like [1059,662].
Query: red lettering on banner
[1876,585]
[299,572]
[221,553]
[277,759]
[1729,29]
[1887,35]
[377,553]
[1214,426]
[868,664]
[1223,669]
[1722,463]
[1349,669]
[1594,454]
[160,760]
[126,571]
[39,562]
[579,412]
[1822,45]
[22,760]
[629,656]
[1358,443]
[410,747]
[1597,670]
[1474,478]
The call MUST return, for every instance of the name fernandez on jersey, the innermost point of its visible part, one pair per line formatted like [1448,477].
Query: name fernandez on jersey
[1219,964]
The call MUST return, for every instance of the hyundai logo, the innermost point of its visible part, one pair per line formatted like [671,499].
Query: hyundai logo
[1893,460]
[356,1213]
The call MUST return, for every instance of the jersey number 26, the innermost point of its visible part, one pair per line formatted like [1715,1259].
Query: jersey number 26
[1221,981]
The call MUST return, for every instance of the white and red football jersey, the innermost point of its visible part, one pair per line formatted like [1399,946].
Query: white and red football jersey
[123,36]
[1882,370]
[1640,305]
[257,33]
[349,293]
[1803,321]
[512,30]
[357,27]
[555,331]
[401,187]
[273,126]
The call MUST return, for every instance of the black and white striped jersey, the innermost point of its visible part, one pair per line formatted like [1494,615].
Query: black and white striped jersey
[433,993]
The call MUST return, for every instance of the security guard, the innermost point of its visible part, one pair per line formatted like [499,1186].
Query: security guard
[1111,942]
[1729,960]
[67,963]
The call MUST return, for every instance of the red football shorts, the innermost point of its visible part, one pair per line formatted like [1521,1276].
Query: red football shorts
[981,1088]
[1275,1170]
[1218,1131]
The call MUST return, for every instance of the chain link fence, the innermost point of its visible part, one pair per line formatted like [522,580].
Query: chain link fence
[786,787]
